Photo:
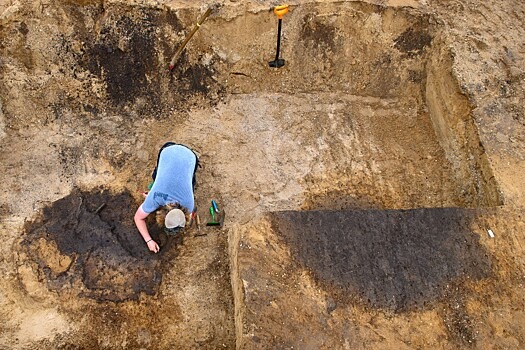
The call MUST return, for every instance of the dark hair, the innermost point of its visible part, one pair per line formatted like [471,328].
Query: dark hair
[171,206]
[173,230]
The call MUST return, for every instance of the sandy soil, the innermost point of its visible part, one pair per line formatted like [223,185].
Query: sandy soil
[359,181]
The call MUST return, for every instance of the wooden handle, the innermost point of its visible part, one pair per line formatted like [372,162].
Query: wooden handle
[197,26]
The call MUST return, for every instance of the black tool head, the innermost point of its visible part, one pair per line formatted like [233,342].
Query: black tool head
[278,63]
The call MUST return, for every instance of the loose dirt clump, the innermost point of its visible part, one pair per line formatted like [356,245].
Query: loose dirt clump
[456,317]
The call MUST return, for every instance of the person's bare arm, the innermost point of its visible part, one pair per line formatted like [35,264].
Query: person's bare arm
[140,221]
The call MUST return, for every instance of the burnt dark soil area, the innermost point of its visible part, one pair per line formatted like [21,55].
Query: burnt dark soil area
[115,58]
[127,51]
[413,42]
[88,239]
[398,260]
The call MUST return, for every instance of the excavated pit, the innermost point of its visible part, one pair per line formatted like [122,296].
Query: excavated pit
[366,114]
[88,240]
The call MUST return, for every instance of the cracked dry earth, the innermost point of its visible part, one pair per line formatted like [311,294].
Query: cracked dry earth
[359,181]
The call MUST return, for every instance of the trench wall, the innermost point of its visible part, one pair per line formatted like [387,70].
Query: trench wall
[455,128]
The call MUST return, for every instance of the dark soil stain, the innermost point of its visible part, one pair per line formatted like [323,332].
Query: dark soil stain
[317,34]
[392,259]
[123,54]
[95,234]
[190,78]
[412,42]
[130,53]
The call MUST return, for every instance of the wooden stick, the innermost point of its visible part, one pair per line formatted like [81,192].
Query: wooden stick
[198,219]
[197,26]
[100,208]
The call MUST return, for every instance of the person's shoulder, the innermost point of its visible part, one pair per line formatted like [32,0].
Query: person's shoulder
[150,204]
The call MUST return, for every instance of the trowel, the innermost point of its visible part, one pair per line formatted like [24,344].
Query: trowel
[214,212]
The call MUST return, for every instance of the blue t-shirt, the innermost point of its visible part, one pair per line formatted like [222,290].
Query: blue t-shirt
[173,183]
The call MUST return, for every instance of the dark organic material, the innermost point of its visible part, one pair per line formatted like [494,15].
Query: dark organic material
[393,259]
[103,249]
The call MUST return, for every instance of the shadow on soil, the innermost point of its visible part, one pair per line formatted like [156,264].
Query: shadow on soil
[392,259]
[89,240]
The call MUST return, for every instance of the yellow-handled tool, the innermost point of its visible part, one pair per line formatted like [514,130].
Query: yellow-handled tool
[280,11]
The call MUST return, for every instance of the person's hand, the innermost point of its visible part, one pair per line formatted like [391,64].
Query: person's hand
[153,246]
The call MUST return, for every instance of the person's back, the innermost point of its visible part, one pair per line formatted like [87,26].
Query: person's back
[174,179]
[173,182]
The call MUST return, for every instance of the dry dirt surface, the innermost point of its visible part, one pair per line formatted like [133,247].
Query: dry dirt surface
[372,189]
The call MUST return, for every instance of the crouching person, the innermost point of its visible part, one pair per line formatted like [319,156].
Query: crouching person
[173,185]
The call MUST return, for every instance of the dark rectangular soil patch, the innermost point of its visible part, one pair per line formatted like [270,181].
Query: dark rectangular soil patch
[393,259]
